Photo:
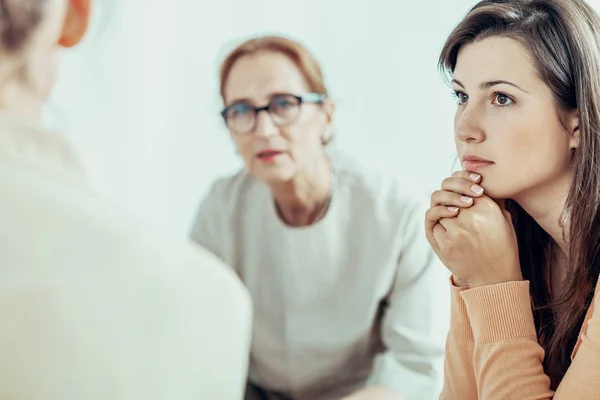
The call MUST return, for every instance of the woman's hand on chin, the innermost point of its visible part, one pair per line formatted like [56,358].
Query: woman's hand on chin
[472,234]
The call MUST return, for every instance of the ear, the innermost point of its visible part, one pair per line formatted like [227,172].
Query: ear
[572,124]
[328,107]
[76,22]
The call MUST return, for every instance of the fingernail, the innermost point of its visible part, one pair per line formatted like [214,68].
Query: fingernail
[477,189]
[453,209]
[466,199]
[475,177]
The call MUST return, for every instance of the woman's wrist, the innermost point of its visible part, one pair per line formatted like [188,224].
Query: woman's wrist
[457,282]
[514,277]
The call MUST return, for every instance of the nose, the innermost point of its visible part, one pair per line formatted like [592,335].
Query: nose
[265,126]
[468,124]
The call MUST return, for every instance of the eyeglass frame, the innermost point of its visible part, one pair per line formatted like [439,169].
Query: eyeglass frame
[308,98]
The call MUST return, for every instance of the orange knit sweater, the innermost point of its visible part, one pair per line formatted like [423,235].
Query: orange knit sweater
[492,352]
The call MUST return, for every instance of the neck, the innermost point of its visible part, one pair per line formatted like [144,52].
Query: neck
[304,200]
[18,102]
[25,83]
[545,205]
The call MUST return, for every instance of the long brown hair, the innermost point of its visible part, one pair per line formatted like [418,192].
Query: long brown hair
[563,38]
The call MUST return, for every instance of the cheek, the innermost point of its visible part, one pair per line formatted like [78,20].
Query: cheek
[513,135]
[304,134]
[457,116]
[537,143]
[243,146]
[528,152]
[457,119]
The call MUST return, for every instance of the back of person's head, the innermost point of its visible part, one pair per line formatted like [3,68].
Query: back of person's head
[31,35]
[562,38]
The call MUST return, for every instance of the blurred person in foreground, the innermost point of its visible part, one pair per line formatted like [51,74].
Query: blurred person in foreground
[93,304]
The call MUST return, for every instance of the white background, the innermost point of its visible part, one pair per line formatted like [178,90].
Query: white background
[140,96]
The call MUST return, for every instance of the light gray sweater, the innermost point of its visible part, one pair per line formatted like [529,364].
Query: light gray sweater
[348,301]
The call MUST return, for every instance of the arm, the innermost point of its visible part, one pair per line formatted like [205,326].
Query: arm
[507,356]
[415,321]
[459,377]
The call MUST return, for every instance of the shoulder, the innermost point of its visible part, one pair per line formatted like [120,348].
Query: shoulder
[182,260]
[102,240]
[224,192]
[111,277]
[168,262]
[190,274]
[384,191]
[222,199]
[211,225]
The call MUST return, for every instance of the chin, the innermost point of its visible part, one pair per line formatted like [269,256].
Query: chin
[499,192]
[273,176]
[500,185]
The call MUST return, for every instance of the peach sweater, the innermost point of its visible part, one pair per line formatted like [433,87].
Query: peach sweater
[492,352]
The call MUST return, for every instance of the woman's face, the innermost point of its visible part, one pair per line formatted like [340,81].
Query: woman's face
[508,116]
[276,153]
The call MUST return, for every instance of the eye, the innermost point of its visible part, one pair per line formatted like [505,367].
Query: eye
[283,102]
[461,98]
[238,110]
[502,99]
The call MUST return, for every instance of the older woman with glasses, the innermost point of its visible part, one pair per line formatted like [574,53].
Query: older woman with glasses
[334,255]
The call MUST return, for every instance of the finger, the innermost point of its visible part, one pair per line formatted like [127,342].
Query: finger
[487,201]
[439,233]
[446,198]
[448,223]
[462,186]
[434,214]
[470,176]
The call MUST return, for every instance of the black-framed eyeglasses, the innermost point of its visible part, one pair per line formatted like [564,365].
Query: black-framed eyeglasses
[241,117]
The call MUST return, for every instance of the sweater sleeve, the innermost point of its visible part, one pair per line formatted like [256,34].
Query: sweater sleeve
[507,357]
[459,377]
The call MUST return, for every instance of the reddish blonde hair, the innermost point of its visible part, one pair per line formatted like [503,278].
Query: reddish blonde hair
[304,60]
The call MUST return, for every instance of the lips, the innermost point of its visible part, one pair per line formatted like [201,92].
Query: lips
[268,153]
[269,156]
[475,163]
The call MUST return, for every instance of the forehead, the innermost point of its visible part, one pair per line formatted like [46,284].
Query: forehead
[493,59]
[257,77]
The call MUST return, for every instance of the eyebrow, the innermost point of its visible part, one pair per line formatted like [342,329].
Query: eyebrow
[237,101]
[489,84]
[246,100]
